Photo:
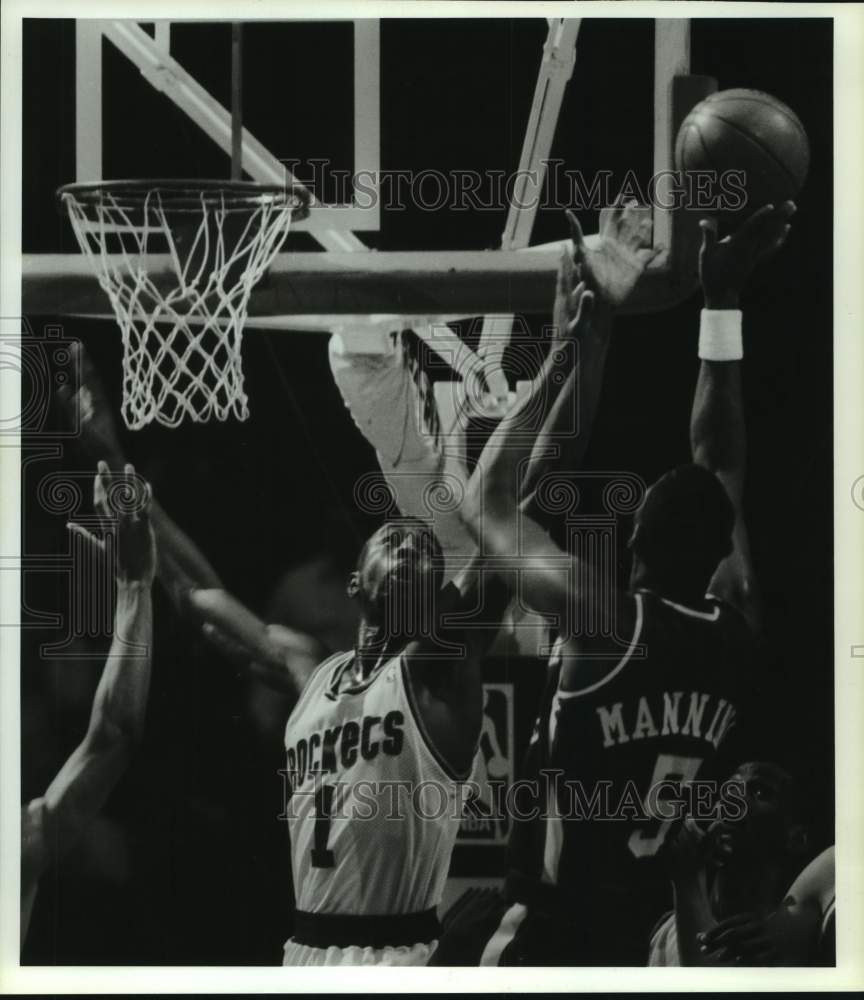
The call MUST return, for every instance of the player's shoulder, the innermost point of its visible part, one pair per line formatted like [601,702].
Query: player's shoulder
[34,856]
[731,614]
[712,614]
[663,942]
[34,820]
[817,881]
[587,663]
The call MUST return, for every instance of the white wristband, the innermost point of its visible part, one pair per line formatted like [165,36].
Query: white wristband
[720,335]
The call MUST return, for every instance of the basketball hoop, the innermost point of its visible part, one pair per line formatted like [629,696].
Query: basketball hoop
[178,259]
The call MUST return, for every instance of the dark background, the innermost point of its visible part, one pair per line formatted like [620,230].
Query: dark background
[189,864]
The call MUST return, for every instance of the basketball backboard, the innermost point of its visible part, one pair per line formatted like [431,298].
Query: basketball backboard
[152,99]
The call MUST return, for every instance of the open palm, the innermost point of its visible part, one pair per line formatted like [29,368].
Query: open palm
[725,265]
[614,265]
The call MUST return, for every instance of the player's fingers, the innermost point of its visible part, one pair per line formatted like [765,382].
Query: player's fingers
[631,211]
[576,234]
[586,308]
[100,486]
[610,217]
[779,240]
[77,357]
[737,920]
[583,314]
[734,921]
[768,236]
[140,515]
[69,407]
[693,828]
[761,228]
[719,956]
[86,371]
[620,203]
[650,254]
[758,217]
[733,935]
[567,270]
[574,298]
[88,536]
[561,278]
[777,217]
[709,233]
[645,230]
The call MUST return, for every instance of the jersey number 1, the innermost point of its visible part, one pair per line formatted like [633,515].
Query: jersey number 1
[322,856]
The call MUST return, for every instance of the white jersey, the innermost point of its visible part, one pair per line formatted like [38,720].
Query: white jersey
[374,810]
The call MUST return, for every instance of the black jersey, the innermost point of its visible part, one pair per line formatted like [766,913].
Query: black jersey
[611,760]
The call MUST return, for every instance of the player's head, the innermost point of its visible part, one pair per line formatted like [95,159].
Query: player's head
[683,529]
[762,816]
[399,571]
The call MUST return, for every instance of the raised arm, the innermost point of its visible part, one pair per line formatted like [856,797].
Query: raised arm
[610,271]
[492,510]
[185,573]
[717,429]
[82,785]
[685,857]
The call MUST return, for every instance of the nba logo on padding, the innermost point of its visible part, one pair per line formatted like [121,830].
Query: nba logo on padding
[485,820]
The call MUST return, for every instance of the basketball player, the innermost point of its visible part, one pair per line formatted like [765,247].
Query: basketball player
[53,822]
[382,740]
[728,884]
[421,450]
[582,886]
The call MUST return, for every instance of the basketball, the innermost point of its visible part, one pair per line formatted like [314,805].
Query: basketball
[749,131]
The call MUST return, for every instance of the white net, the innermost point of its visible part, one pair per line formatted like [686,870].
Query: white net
[178,266]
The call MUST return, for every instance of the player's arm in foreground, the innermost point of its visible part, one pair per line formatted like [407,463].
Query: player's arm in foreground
[449,690]
[393,405]
[77,793]
[492,511]
[282,656]
[788,936]
[445,669]
[717,429]
[685,856]
[611,274]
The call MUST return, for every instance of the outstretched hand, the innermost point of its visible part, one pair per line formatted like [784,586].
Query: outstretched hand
[613,267]
[574,303]
[123,500]
[87,410]
[725,265]
[785,937]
